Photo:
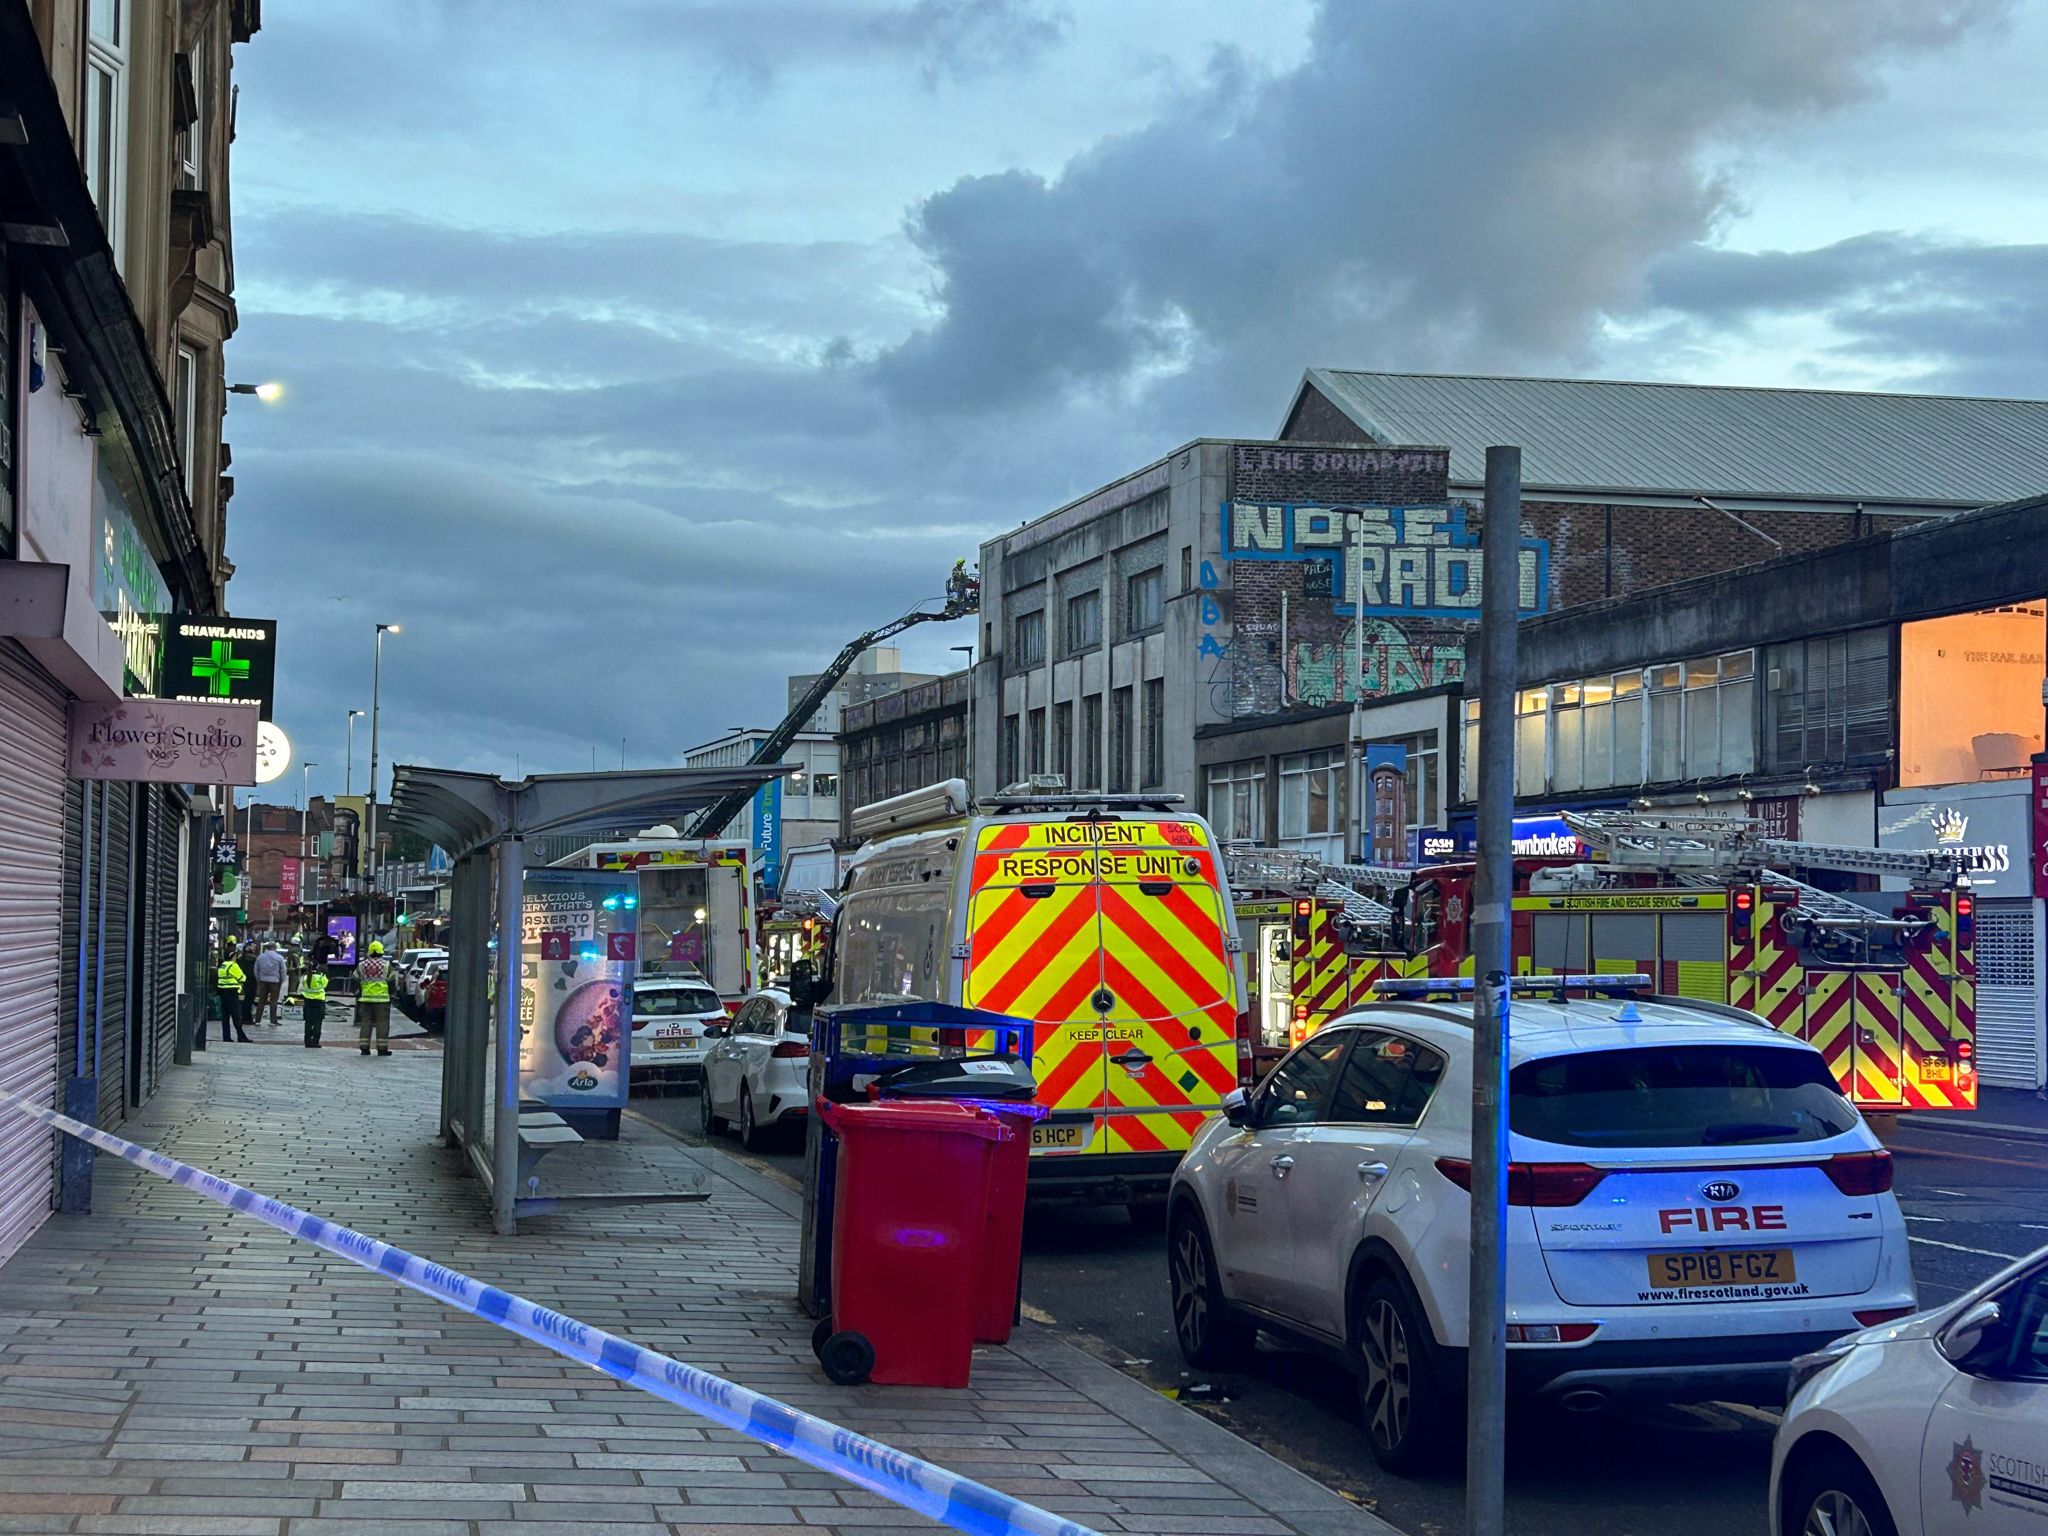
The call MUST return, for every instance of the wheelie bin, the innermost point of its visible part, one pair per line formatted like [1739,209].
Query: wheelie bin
[1001,1086]
[910,1198]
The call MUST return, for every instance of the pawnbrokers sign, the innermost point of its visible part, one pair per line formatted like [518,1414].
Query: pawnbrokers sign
[163,741]
[216,660]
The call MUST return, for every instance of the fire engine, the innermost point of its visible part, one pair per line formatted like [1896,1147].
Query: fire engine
[1704,905]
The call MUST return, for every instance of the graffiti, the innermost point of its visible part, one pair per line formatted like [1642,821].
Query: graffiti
[1410,562]
[1392,662]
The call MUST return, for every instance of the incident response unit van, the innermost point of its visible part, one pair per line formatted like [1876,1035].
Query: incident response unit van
[1105,920]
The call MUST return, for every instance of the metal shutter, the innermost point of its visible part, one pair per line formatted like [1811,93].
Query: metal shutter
[2009,1024]
[67,901]
[166,838]
[112,978]
[32,778]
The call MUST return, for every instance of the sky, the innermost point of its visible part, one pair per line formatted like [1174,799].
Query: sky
[640,353]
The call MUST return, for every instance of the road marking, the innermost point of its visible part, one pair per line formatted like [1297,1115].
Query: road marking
[1927,1218]
[1039,1315]
[2033,1226]
[1982,1253]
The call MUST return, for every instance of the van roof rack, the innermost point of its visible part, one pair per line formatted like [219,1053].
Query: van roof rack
[1607,983]
[1019,797]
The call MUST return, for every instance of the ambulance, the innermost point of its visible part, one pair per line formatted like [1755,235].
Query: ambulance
[1104,920]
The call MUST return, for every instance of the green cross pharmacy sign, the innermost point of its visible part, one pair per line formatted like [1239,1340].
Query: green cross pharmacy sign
[220,658]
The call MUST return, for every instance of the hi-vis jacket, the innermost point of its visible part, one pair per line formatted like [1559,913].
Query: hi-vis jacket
[229,976]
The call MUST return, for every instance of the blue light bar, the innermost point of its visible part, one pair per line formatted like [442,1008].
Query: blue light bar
[1429,986]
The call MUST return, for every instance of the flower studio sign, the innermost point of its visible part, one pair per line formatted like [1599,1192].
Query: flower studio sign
[162,741]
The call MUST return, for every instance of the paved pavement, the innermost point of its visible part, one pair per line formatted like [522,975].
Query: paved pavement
[166,1367]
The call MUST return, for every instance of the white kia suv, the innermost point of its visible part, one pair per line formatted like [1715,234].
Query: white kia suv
[1692,1204]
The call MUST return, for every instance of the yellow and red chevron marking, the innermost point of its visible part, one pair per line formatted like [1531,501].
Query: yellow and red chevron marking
[1775,993]
[1936,1025]
[1879,1069]
[1826,1025]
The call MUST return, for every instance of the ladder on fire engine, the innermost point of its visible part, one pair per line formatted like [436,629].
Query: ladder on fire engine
[1719,848]
[1252,868]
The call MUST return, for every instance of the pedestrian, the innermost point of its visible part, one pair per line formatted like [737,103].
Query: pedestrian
[373,1000]
[270,978]
[228,981]
[313,1002]
[247,1015]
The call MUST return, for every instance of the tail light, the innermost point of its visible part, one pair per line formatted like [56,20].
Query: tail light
[1965,1050]
[1870,1317]
[1537,1184]
[953,1039]
[1745,912]
[1860,1173]
[791,1050]
[1551,1333]
[1966,919]
[1302,909]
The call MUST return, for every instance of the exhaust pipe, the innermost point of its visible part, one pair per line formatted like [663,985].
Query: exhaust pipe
[1583,1400]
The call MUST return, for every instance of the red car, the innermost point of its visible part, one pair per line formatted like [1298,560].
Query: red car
[434,1006]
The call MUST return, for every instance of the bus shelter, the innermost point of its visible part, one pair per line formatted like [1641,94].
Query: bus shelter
[483,823]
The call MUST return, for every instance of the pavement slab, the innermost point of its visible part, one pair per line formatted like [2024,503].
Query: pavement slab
[166,1366]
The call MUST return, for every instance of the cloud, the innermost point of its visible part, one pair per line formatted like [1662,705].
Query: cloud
[1456,187]
[1937,313]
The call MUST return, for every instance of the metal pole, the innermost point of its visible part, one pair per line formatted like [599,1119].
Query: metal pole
[370,855]
[1354,752]
[505,1120]
[1486,1365]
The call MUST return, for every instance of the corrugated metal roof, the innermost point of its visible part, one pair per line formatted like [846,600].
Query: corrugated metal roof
[1740,444]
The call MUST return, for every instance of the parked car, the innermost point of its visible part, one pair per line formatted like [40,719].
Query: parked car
[433,1012]
[1935,1423]
[672,1020]
[757,1072]
[1692,1204]
[406,973]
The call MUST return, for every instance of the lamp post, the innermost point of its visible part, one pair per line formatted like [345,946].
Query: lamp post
[305,817]
[348,774]
[376,698]
[969,765]
[269,392]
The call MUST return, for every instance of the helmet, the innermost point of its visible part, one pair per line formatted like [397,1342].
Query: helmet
[376,947]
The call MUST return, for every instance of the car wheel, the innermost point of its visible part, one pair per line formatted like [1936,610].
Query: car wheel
[706,1116]
[752,1136]
[1209,1335]
[1834,1496]
[1406,1409]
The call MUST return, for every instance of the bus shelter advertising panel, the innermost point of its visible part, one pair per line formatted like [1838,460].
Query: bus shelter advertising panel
[578,948]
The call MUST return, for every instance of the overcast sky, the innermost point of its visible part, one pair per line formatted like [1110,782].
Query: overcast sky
[641,352]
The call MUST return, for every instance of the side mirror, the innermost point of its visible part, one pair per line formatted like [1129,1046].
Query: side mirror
[1961,1338]
[1237,1108]
[713,1031]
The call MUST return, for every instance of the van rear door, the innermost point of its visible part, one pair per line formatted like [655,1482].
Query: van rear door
[1034,951]
[1169,996]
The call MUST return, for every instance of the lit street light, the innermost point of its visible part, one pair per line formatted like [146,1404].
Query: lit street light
[269,392]
[376,698]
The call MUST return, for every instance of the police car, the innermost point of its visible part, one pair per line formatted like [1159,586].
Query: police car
[1934,1423]
[1692,1204]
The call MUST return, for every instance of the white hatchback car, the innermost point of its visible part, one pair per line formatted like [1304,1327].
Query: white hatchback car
[671,1017]
[1692,1203]
[758,1075]
[1937,1423]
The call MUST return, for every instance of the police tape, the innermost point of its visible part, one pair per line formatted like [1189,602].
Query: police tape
[918,1485]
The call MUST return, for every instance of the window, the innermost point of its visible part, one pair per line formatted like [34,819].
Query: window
[665,1002]
[1121,726]
[1063,741]
[1084,621]
[1091,742]
[1629,767]
[1187,568]
[1567,736]
[1827,700]
[106,116]
[824,786]
[2015,1348]
[1237,802]
[1031,639]
[892,944]
[1468,756]
[1010,774]
[1311,794]
[192,162]
[184,413]
[1294,1094]
[1037,739]
[1425,759]
[1532,712]
[1387,1080]
[1678,1096]
[1155,734]
[1145,605]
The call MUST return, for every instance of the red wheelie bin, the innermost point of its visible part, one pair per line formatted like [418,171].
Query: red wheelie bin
[910,1212]
[1001,1086]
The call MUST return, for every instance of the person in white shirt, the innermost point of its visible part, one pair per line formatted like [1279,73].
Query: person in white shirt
[270,974]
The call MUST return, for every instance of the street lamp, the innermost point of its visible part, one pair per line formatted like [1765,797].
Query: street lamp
[969,765]
[348,775]
[305,814]
[269,392]
[376,698]
[703,959]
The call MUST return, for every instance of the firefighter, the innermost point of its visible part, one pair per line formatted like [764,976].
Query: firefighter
[229,981]
[373,1000]
[313,1003]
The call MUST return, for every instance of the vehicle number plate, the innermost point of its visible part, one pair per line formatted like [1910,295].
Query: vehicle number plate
[1746,1266]
[672,1042]
[1048,1137]
[1935,1069]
